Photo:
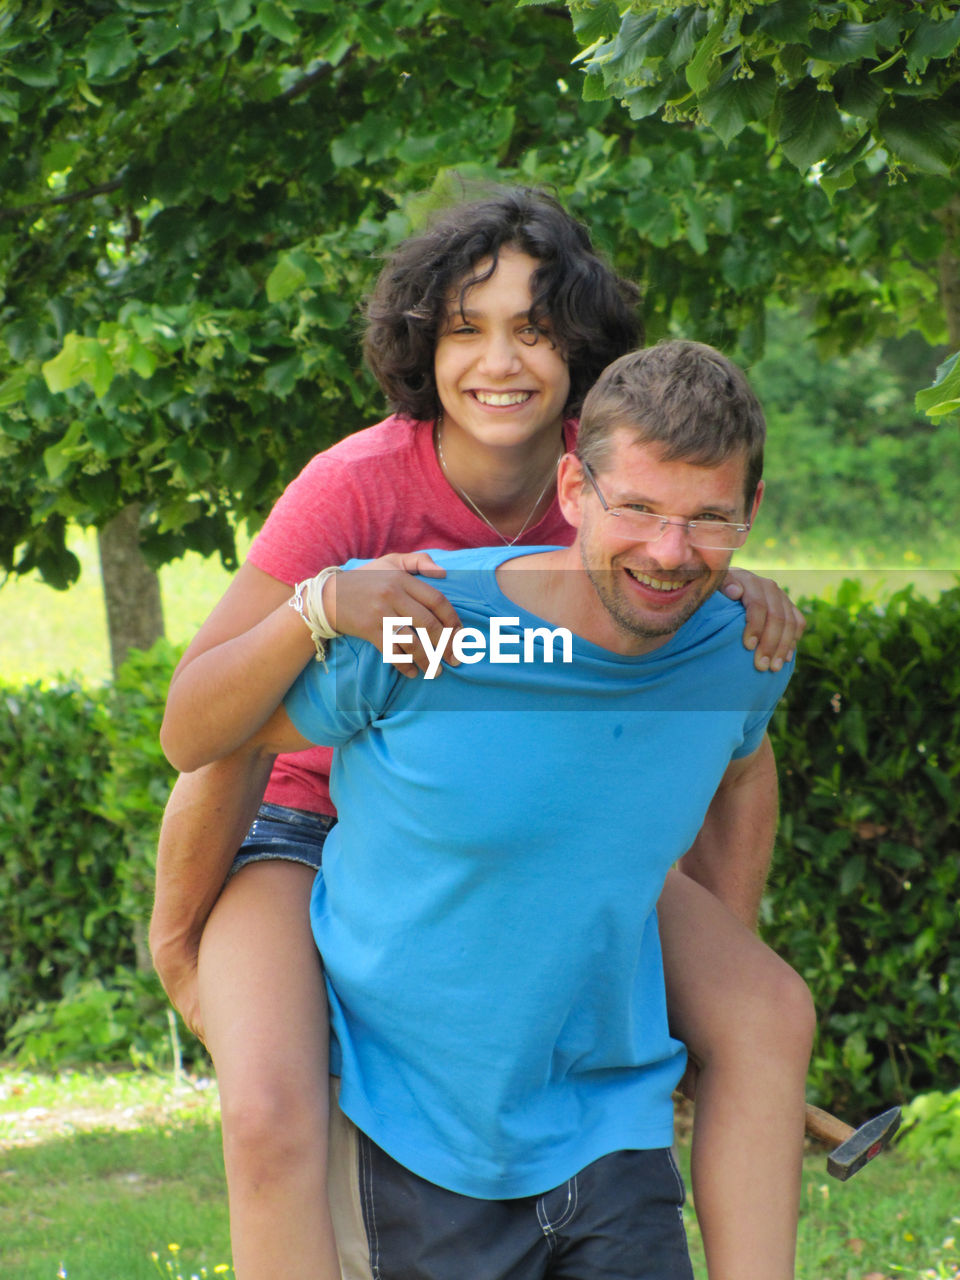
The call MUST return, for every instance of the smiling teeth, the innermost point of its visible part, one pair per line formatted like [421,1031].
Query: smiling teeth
[502,397]
[658,584]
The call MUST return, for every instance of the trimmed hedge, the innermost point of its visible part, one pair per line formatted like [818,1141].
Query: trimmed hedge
[863,899]
[83,783]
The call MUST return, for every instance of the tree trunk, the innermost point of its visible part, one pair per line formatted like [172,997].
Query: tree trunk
[950,271]
[131,589]
[131,592]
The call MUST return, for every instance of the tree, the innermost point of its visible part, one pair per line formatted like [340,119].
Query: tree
[845,92]
[196,197]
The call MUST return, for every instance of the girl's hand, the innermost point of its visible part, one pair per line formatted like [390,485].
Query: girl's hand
[774,623]
[357,602]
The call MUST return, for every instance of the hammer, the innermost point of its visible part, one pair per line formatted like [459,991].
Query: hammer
[856,1147]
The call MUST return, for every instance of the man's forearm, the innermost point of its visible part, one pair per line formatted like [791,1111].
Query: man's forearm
[207,816]
[732,851]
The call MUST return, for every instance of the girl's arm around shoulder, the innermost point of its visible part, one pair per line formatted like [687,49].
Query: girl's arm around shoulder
[235,672]
[252,648]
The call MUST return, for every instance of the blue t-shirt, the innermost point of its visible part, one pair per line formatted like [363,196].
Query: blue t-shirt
[486,907]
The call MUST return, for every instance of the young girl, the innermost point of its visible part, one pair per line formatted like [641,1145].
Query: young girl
[485,334]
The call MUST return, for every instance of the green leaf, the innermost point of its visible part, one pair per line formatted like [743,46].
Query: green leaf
[278,24]
[625,60]
[690,27]
[106,437]
[142,361]
[696,223]
[840,175]
[158,38]
[595,22]
[65,369]
[844,43]
[644,102]
[233,13]
[810,125]
[58,457]
[285,279]
[12,389]
[109,49]
[39,75]
[699,66]
[920,134]
[331,312]
[858,93]
[193,465]
[932,39]
[80,360]
[732,102]
[851,877]
[595,90]
[282,375]
[377,36]
[943,396]
[786,21]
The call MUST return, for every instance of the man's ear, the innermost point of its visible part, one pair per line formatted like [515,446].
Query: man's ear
[756,503]
[570,488]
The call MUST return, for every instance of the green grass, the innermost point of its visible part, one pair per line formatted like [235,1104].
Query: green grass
[96,1204]
[46,634]
[99,1173]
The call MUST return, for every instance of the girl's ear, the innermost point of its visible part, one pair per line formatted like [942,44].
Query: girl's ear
[570,482]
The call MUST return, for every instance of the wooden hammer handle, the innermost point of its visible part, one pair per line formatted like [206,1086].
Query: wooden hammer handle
[825,1127]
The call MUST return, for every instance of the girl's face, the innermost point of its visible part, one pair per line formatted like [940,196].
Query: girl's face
[500,379]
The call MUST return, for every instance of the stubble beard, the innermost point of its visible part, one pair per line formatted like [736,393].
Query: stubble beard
[632,625]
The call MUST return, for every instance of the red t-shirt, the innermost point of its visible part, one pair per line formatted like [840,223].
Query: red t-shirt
[377,491]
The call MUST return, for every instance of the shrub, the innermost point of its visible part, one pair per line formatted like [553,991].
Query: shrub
[83,783]
[931,1127]
[97,1021]
[58,855]
[863,897]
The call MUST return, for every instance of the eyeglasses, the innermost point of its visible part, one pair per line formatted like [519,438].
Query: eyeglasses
[646,526]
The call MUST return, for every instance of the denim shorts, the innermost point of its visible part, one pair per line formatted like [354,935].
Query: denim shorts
[620,1218]
[285,835]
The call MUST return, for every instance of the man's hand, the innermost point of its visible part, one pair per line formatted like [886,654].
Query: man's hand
[357,602]
[774,623]
[176,964]
[206,818]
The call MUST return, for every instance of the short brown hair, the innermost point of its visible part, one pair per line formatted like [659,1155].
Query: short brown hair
[686,397]
[592,312]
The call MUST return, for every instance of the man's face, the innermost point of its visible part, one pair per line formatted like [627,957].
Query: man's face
[647,590]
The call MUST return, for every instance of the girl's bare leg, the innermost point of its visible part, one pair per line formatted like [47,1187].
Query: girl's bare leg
[748,1020]
[264,1012]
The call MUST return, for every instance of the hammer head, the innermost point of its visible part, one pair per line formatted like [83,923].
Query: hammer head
[863,1144]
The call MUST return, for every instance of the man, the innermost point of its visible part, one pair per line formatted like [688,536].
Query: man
[485,910]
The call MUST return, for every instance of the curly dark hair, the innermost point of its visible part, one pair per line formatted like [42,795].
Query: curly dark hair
[593,313]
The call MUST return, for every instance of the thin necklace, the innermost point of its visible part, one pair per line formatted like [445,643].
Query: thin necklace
[509,542]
